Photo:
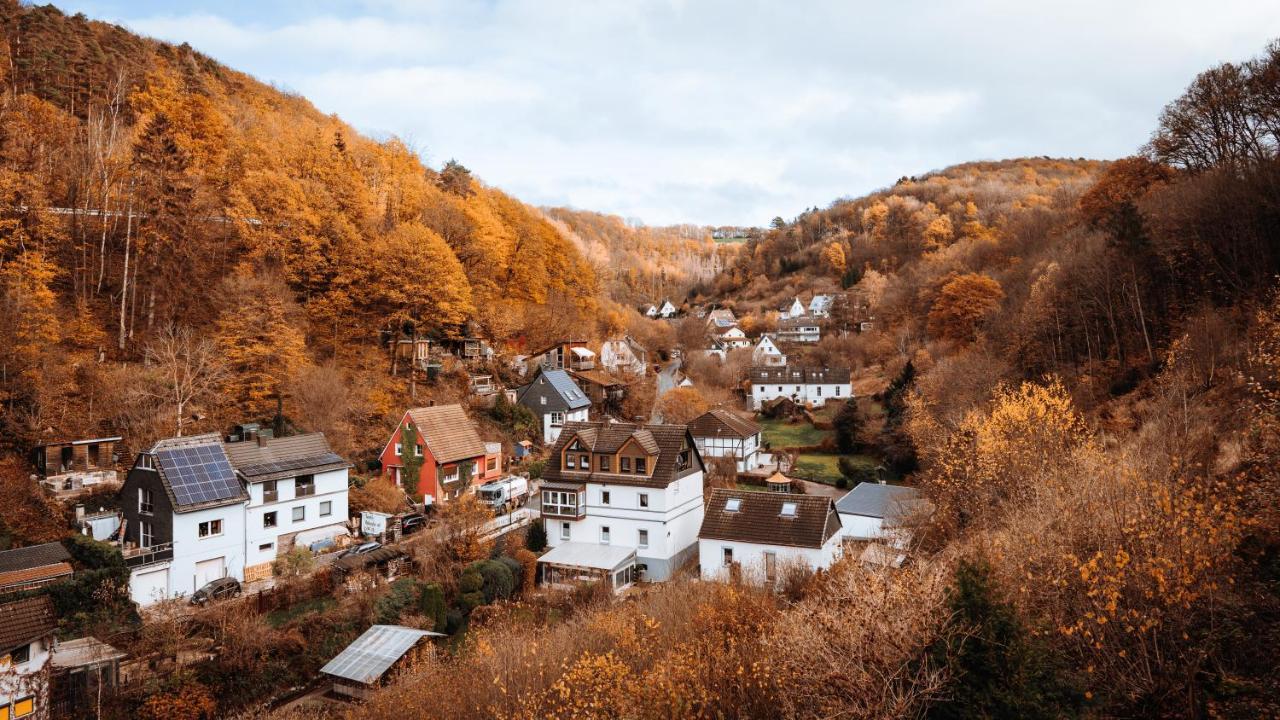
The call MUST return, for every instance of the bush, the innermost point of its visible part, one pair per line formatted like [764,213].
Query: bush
[846,424]
[535,468]
[454,621]
[298,561]
[517,573]
[431,604]
[515,418]
[470,601]
[499,582]
[842,482]
[536,538]
[855,470]
[402,594]
[92,554]
[471,581]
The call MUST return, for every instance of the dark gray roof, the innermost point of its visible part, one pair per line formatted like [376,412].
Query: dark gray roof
[889,502]
[33,557]
[196,473]
[283,457]
[793,375]
[563,385]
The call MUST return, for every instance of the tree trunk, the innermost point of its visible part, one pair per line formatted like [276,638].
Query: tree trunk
[124,286]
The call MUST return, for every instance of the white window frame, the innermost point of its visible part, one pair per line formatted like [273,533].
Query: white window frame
[275,520]
[146,501]
[205,529]
[642,538]
[146,533]
[295,510]
[557,417]
[326,508]
[605,497]
[642,499]
[399,450]
[264,547]
[726,556]
[604,534]
[565,530]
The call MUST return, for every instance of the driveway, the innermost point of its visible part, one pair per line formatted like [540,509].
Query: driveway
[666,382]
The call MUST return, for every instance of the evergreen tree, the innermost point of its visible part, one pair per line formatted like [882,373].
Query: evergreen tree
[847,423]
[536,538]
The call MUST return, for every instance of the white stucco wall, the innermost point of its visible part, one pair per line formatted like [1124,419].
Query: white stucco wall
[551,433]
[331,487]
[189,548]
[817,393]
[751,561]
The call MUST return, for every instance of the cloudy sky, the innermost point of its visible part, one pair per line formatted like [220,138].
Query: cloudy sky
[721,112]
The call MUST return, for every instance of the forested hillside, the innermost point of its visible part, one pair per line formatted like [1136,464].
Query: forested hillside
[155,203]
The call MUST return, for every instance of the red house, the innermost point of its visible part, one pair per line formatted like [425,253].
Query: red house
[452,455]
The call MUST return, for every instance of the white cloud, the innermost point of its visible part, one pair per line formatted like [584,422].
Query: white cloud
[718,111]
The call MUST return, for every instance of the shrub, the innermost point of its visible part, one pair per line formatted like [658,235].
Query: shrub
[846,424]
[517,572]
[471,581]
[536,538]
[854,471]
[431,604]
[402,594]
[470,601]
[842,482]
[535,468]
[298,561]
[499,582]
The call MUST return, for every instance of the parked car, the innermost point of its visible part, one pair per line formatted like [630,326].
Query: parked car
[411,524]
[360,549]
[217,590]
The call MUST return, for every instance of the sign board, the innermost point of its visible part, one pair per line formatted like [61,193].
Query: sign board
[373,523]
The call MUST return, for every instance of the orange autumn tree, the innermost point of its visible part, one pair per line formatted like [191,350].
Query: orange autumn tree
[413,277]
[680,405]
[962,304]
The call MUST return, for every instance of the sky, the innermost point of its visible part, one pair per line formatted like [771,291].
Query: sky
[721,112]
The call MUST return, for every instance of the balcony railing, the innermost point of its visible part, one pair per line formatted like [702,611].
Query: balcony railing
[138,556]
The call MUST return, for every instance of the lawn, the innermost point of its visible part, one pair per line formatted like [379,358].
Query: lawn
[826,468]
[782,434]
[283,615]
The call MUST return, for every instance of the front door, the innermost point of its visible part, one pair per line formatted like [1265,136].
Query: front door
[209,570]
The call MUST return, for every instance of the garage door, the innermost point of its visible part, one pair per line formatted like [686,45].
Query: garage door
[148,587]
[209,570]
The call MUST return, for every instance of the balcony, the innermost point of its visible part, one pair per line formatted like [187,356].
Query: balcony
[564,504]
[139,556]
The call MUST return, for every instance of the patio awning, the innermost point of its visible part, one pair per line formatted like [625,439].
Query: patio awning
[582,352]
[590,556]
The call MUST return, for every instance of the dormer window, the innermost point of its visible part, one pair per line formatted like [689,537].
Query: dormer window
[570,461]
[604,463]
[147,462]
[624,464]
[640,466]
[788,509]
[733,505]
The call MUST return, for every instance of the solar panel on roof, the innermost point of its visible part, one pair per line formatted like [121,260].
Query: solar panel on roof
[198,474]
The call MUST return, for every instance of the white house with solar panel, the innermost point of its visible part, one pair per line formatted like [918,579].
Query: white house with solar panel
[183,513]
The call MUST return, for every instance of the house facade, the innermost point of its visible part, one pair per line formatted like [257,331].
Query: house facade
[563,355]
[801,385]
[451,456]
[666,309]
[881,512]
[799,329]
[183,512]
[795,309]
[767,353]
[26,643]
[758,536]
[72,466]
[734,338]
[297,490]
[555,399]
[820,305]
[624,355]
[724,433]
[629,486]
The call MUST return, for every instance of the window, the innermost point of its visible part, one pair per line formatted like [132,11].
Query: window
[146,505]
[564,530]
[417,450]
[643,540]
[304,486]
[265,547]
[559,502]
[24,707]
[604,534]
[726,556]
[210,528]
[300,513]
[733,505]
[788,509]
[146,534]
[624,464]
[604,463]
[326,508]
[837,391]
[640,466]
[584,462]
[269,519]
[604,497]
[542,400]
[570,461]
[644,499]
[557,418]
[147,462]
[779,390]
[270,493]
[399,449]
[20,655]
[491,464]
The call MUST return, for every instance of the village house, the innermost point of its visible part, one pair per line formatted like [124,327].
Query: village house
[799,329]
[716,348]
[734,338]
[80,670]
[624,355]
[297,491]
[622,495]
[603,390]
[724,433]
[183,510]
[32,567]
[452,457]
[555,399]
[26,641]
[563,355]
[881,512]
[767,353]
[721,319]
[794,310]
[803,386]
[758,536]
[820,305]
[69,467]
[666,310]
[358,670]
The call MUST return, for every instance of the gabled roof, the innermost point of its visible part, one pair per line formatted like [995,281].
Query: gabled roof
[32,577]
[891,503]
[33,556]
[196,473]
[719,422]
[22,621]
[562,384]
[794,375]
[796,323]
[662,441]
[758,518]
[595,377]
[374,652]
[447,432]
[283,457]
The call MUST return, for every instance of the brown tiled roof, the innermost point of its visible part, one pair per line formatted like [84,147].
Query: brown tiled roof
[791,375]
[595,377]
[664,441]
[759,519]
[42,574]
[281,457]
[447,432]
[723,423]
[22,621]
[33,556]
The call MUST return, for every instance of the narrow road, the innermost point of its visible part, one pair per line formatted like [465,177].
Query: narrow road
[666,382]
